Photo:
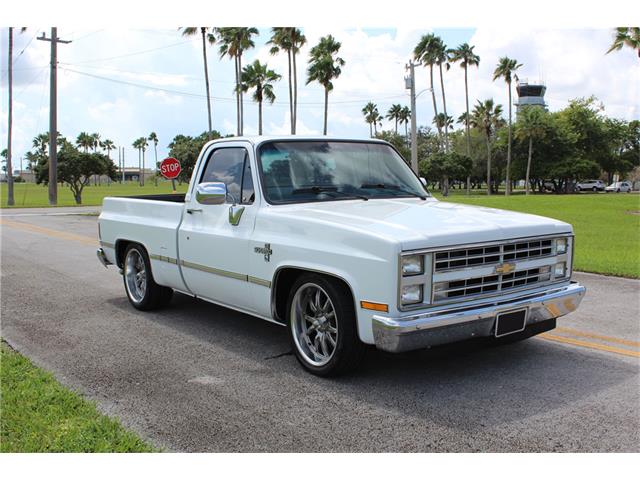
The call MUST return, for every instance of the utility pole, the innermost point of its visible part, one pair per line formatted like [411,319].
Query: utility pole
[410,84]
[53,115]
[122,164]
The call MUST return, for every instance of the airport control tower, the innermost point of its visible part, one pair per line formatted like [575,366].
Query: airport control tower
[530,94]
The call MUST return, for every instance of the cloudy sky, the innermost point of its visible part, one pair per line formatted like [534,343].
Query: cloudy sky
[127,83]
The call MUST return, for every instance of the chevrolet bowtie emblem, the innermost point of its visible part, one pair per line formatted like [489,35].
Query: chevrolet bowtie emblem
[505,268]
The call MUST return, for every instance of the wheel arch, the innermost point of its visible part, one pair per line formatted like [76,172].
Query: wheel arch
[284,278]
[121,247]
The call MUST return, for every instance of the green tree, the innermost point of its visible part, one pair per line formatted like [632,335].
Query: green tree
[258,77]
[487,117]
[84,141]
[442,56]
[425,52]
[531,124]
[405,117]
[442,121]
[324,67]
[108,145]
[75,168]
[626,37]
[290,40]
[207,37]
[141,145]
[153,138]
[234,41]
[186,150]
[467,58]
[370,112]
[505,69]
[394,114]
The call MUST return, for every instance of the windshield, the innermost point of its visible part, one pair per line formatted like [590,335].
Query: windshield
[312,171]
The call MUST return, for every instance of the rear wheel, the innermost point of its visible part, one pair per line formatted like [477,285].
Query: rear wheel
[322,326]
[143,292]
[595,189]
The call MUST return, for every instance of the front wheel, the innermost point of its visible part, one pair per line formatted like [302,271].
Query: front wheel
[594,189]
[322,326]
[143,292]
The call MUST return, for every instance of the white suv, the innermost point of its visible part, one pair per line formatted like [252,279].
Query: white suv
[594,185]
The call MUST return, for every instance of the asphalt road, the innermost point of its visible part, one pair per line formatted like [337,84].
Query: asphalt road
[197,377]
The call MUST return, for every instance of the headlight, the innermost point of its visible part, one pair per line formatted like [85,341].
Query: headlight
[412,265]
[560,270]
[411,294]
[561,246]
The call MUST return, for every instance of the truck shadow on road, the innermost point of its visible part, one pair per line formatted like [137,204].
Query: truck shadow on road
[463,386]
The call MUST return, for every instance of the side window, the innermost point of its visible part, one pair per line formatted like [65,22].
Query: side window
[226,165]
[248,194]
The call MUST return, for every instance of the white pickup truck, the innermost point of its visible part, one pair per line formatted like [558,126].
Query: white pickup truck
[339,241]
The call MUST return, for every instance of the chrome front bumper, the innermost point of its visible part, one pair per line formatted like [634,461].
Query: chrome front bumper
[449,325]
[103,258]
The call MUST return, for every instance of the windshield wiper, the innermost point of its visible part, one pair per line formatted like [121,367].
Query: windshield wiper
[317,189]
[393,187]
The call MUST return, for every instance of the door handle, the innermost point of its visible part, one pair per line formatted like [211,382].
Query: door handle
[192,210]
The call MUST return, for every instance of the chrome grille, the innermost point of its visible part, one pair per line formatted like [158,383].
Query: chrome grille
[493,254]
[470,287]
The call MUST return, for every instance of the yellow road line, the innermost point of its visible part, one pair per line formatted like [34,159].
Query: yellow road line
[578,333]
[594,346]
[28,227]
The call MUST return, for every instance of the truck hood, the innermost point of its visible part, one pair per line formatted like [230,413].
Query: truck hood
[424,224]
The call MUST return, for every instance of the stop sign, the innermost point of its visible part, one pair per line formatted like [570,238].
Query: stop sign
[170,168]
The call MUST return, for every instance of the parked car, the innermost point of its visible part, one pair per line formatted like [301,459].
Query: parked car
[594,185]
[619,187]
[339,241]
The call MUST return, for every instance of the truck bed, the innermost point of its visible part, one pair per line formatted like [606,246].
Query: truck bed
[167,197]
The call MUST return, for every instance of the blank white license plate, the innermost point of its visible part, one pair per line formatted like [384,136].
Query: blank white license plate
[511,322]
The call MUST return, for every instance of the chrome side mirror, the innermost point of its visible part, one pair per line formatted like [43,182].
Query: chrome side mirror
[423,181]
[211,193]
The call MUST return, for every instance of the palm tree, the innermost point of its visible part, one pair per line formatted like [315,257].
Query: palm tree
[505,69]
[325,66]
[85,141]
[153,137]
[234,41]
[464,54]
[260,78]
[108,145]
[529,127]
[443,122]
[626,36]
[95,141]
[441,56]
[41,143]
[207,36]
[289,39]
[486,117]
[424,53]
[369,110]
[141,145]
[394,114]
[405,117]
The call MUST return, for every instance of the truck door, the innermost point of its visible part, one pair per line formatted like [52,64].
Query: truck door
[213,251]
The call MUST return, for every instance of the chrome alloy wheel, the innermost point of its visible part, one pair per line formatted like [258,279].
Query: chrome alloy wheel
[135,274]
[314,324]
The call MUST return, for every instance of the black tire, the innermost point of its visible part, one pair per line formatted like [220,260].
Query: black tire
[348,350]
[595,189]
[152,296]
[578,189]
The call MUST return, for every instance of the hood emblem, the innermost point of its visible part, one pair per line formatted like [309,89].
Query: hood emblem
[266,251]
[505,268]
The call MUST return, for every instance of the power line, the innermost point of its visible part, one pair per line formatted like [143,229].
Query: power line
[222,99]
[95,60]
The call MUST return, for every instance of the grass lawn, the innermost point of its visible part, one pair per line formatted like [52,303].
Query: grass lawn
[32,195]
[37,414]
[606,226]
